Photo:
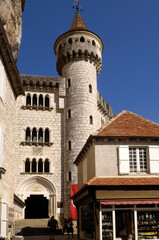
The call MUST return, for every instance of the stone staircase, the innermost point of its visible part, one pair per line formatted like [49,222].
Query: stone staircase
[31,227]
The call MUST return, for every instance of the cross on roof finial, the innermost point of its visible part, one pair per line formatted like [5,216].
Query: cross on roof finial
[77,6]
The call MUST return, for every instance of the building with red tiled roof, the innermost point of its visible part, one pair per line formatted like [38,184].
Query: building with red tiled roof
[118,180]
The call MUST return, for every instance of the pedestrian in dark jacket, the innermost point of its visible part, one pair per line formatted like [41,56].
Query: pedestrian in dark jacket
[52,224]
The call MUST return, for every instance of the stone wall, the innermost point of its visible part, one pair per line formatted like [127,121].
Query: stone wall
[52,118]
[10,15]
[7,123]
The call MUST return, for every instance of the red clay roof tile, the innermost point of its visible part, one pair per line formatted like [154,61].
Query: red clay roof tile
[120,181]
[129,124]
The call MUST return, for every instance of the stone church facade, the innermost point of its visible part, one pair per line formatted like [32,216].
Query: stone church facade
[55,118]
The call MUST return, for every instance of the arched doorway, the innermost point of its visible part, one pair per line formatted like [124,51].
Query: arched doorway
[38,193]
[36,207]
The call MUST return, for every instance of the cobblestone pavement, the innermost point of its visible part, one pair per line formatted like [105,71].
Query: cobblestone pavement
[57,237]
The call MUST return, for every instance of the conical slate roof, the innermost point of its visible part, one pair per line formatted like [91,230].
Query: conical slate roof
[78,23]
[129,124]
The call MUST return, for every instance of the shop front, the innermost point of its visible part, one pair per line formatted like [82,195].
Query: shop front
[129,219]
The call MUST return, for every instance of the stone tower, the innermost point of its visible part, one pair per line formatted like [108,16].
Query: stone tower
[79,60]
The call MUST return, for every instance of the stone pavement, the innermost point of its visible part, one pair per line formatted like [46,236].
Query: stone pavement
[57,237]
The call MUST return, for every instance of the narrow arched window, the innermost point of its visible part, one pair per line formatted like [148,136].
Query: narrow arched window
[34,100]
[27,137]
[47,101]
[69,145]
[40,138]
[69,113]
[47,165]
[91,120]
[82,39]
[34,135]
[28,100]
[40,165]
[41,101]
[90,88]
[47,137]
[27,165]
[93,43]
[34,165]
[69,177]
[70,40]
[69,82]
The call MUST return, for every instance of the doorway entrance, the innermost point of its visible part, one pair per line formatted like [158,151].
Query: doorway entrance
[36,207]
[125,224]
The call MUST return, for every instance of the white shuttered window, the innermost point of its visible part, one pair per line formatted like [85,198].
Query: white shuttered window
[3,219]
[154,159]
[123,159]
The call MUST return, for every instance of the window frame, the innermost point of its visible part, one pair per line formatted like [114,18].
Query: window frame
[138,160]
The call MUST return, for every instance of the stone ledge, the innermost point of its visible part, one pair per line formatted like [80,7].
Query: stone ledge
[39,173]
[37,108]
[37,143]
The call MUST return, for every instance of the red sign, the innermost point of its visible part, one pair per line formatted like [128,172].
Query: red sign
[74,189]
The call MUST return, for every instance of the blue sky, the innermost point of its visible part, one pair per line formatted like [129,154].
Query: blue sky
[129,29]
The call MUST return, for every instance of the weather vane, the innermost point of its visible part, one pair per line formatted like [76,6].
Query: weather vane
[77,6]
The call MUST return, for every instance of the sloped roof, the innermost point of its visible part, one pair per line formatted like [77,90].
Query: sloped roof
[129,124]
[78,23]
[123,181]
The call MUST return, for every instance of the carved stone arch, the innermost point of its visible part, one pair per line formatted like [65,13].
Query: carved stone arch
[48,190]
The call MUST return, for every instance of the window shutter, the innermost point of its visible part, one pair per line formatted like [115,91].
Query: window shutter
[1,147]
[123,160]
[4,219]
[154,159]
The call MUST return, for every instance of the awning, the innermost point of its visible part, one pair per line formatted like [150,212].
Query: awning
[129,201]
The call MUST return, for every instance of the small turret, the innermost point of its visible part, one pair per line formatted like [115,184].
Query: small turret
[78,44]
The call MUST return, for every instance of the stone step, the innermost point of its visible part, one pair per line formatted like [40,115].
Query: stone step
[33,223]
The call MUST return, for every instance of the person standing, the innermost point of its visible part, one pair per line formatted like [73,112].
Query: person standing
[70,227]
[52,224]
[64,226]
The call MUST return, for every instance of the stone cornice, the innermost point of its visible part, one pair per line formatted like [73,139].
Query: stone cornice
[10,66]
[40,83]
